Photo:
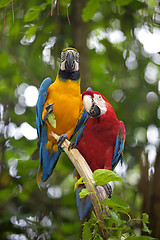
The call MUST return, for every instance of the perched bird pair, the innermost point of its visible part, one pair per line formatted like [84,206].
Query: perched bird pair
[60,109]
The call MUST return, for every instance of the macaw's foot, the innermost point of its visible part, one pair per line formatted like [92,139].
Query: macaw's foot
[108,189]
[49,109]
[72,145]
[62,138]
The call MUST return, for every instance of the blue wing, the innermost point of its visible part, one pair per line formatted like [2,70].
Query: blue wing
[119,146]
[47,160]
[82,120]
[40,102]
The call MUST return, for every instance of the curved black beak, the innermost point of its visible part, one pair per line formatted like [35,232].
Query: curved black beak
[70,62]
[94,111]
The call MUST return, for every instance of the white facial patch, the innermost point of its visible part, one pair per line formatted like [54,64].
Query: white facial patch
[63,59]
[76,68]
[63,65]
[100,102]
[87,101]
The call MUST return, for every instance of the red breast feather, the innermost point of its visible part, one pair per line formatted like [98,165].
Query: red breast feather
[98,138]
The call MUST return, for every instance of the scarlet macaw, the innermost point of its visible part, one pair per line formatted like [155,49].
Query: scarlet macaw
[100,141]
[60,110]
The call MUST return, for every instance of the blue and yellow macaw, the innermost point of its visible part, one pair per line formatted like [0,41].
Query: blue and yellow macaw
[60,110]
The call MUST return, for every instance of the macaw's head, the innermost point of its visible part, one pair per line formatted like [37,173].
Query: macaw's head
[69,66]
[95,103]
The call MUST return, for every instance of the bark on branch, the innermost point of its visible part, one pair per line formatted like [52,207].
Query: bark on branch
[84,171]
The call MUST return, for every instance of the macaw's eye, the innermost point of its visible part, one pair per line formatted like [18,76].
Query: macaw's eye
[62,56]
[77,57]
[100,97]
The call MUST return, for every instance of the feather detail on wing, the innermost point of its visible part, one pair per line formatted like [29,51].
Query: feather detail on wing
[43,91]
[82,120]
[47,160]
[119,146]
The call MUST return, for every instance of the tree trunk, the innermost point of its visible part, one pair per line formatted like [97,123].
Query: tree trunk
[151,194]
[155,200]
[79,35]
[145,184]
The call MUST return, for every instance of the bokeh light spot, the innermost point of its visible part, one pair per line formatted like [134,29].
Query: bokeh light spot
[28,131]
[153,135]
[31,96]
[152,97]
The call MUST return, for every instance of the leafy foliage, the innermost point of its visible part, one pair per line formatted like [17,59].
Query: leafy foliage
[4,3]
[90,10]
[117,203]
[103,176]
[119,222]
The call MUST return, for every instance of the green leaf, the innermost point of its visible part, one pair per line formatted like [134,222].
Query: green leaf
[123,2]
[146,229]
[109,222]
[117,221]
[83,193]
[31,31]
[95,230]
[87,234]
[34,12]
[52,119]
[80,181]
[90,228]
[97,237]
[145,218]
[126,229]
[140,238]
[90,9]
[119,233]
[4,3]
[92,220]
[117,203]
[93,216]
[103,176]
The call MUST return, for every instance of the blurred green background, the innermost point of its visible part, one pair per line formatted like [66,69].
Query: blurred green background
[119,45]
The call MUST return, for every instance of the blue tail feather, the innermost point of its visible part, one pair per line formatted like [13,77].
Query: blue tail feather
[52,161]
[83,204]
[47,160]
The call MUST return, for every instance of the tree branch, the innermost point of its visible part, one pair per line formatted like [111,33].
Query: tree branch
[84,171]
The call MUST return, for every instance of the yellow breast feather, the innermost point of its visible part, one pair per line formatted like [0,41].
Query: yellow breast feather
[68,107]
